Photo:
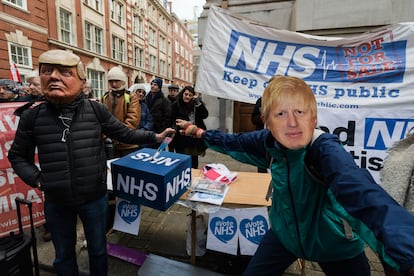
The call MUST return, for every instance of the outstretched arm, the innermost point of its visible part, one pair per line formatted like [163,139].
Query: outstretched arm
[188,129]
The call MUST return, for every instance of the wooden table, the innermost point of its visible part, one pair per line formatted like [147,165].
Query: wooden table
[248,190]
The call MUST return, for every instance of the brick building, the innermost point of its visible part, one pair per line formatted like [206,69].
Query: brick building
[143,37]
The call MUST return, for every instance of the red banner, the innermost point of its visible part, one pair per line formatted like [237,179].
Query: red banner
[11,186]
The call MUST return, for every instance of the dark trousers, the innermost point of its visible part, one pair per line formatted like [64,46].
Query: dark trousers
[62,220]
[272,258]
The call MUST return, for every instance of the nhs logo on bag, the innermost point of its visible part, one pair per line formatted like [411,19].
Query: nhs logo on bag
[153,182]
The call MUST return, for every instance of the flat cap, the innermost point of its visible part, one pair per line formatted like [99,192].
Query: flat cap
[64,58]
[60,57]
[173,86]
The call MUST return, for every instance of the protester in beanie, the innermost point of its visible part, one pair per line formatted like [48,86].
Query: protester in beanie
[159,106]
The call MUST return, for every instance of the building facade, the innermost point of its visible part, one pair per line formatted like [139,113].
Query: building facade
[140,36]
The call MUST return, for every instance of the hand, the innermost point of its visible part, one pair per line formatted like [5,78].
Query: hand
[168,132]
[182,123]
[188,129]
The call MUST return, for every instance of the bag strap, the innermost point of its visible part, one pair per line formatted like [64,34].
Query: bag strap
[127,98]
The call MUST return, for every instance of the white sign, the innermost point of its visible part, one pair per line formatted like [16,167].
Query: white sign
[127,216]
[227,227]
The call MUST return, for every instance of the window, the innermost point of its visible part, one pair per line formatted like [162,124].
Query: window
[139,57]
[177,69]
[138,25]
[93,38]
[162,22]
[153,63]
[97,82]
[19,3]
[65,26]
[152,36]
[163,69]
[152,12]
[177,47]
[94,4]
[162,43]
[118,51]
[117,12]
[169,70]
[20,55]
[182,71]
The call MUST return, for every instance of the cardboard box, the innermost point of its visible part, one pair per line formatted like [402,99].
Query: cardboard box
[156,183]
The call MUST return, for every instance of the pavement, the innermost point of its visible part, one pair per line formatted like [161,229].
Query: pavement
[165,234]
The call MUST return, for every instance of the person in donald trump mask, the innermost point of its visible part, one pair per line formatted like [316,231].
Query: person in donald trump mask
[67,130]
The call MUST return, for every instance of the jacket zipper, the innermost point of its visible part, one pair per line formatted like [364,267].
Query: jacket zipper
[294,208]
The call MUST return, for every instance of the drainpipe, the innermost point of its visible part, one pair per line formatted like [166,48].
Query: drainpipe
[222,102]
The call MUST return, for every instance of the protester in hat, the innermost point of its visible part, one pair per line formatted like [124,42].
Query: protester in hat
[189,107]
[10,92]
[126,108]
[324,207]
[122,105]
[159,106]
[66,130]
[145,121]
[173,91]
[6,92]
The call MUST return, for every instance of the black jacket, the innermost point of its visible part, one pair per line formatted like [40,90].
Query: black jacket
[72,161]
[181,110]
[160,108]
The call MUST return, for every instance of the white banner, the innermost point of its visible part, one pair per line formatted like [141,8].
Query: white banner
[364,84]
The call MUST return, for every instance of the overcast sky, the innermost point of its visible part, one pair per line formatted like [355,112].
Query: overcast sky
[184,9]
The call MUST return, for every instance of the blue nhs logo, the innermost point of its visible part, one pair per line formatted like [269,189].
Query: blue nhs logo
[381,133]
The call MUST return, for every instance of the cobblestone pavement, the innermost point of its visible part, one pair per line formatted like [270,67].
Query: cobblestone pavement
[165,234]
